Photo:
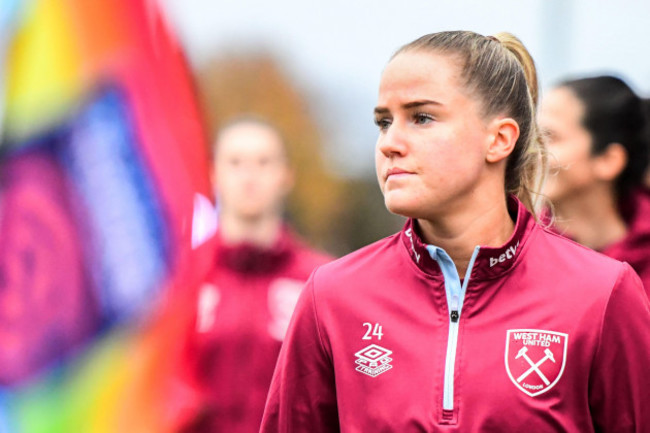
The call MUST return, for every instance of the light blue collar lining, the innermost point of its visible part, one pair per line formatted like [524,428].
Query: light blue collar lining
[455,292]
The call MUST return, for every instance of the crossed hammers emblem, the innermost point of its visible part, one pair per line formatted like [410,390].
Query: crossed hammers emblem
[534,366]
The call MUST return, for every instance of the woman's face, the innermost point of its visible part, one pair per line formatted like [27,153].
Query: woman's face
[432,145]
[569,146]
[251,171]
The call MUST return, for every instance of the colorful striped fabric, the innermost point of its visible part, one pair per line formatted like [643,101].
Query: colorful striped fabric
[106,216]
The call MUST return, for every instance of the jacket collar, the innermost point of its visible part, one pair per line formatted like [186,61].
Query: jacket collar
[490,262]
[247,258]
[635,246]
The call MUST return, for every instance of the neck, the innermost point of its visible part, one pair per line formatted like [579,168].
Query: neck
[261,231]
[485,225]
[591,218]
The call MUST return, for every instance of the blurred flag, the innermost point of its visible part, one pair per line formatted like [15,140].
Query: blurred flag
[106,210]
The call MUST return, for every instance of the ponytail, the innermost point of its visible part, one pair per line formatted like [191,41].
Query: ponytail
[529,170]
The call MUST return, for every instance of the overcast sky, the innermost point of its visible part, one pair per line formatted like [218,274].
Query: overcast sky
[335,50]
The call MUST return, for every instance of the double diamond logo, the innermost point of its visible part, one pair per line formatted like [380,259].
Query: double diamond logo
[373,360]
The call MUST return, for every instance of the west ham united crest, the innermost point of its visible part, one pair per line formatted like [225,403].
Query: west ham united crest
[373,360]
[535,359]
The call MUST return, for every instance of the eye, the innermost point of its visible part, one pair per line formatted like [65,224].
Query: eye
[422,118]
[383,123]
[549,137]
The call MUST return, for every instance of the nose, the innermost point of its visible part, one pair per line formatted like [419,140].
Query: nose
[393,141]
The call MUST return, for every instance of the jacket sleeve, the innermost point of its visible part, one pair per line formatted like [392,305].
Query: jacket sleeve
[619,395]
[302,397]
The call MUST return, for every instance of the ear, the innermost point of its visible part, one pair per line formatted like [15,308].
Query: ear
[610,163]
[504,133]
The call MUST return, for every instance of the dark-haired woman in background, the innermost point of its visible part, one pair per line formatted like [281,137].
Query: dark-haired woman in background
[597,135]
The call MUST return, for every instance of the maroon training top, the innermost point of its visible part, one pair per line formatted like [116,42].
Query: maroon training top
[243,311]
[541,335]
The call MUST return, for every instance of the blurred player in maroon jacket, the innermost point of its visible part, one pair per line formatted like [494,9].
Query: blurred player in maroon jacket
[598,146]
[243,310]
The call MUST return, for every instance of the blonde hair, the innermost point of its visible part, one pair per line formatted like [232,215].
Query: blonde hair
[501,72]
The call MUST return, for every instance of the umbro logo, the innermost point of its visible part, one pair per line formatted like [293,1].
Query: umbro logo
[373,360]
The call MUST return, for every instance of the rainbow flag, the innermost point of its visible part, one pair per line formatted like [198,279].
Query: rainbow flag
[106,216]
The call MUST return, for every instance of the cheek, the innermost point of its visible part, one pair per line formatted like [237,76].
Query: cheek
[228,175]
[455,143]
[561,155]
[223,181]
[446,161]
[570,169]
[272,184]
[380,161]
[576,150]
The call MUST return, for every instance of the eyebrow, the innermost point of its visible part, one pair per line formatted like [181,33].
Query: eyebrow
[547,133]
[409,105]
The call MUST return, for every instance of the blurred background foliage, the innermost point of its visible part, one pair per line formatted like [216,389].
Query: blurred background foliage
[335,214]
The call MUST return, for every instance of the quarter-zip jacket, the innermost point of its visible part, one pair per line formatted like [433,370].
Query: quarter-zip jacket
[541,335]
[242,313]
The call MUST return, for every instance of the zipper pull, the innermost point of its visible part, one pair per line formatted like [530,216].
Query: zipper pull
[454,309]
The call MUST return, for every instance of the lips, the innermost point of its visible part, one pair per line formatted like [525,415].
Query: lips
[396,171]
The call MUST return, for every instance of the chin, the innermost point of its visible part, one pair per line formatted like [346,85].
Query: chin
[553,188]
[552,194]
[405,208]
[250,213]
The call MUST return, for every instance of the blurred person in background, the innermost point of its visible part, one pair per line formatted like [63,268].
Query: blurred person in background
[244,309]
[474,318]
[597,132]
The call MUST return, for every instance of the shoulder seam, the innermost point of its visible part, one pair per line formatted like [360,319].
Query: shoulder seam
[566,239]
[316,319]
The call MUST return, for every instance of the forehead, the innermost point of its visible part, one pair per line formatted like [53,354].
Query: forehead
[419,73]
[561,108]
[249,138]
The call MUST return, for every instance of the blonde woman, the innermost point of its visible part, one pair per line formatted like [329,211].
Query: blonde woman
[473,318]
